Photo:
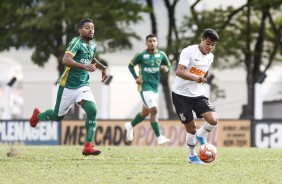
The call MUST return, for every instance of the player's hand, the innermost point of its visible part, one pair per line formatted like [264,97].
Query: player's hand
[105,75]
[164,68]
[91,67]
[138,80]
[199,79]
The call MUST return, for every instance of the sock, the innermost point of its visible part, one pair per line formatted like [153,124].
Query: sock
[156,128]
[191,143]
[138,119]
[49,115]
[204,129]
[90,123]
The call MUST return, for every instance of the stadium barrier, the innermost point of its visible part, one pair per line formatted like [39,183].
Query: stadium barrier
[229,133]
[265,133]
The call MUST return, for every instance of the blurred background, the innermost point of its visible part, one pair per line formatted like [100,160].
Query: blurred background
[244,81]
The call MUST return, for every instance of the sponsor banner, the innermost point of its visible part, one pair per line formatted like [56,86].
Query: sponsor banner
[267,133]
[107,133]
[20,131]
[227,134]
[172,129]
[234,133]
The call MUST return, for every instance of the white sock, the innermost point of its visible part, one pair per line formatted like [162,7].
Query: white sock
[205,129]
[191,143]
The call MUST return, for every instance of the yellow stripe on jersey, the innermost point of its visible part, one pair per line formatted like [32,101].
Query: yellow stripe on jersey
[64,77]
[166,57]
[69,52]
[140,76]
[73,45]
[131,62]
[136,55]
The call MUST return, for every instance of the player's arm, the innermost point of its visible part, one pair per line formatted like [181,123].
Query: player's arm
[98,64]
[70,62]
[105,72]
[206,74]
[165,66]
[181,72]
[133,73]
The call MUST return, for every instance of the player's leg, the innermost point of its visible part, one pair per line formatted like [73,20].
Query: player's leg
[50,114]
[85,98]
[191,142]
[206,111]
[151,101]
[183,106]
[90,126]
[129,126]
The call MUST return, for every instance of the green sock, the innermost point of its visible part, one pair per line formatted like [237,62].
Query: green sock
[49,115]
[156,128]
[90,130]
[138,119]
[90,123]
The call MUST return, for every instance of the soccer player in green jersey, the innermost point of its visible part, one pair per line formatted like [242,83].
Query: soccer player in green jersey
[73,85]
[151,62]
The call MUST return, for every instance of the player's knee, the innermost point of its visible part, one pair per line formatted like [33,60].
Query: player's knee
[91,112]
[153,111]
[89,108]
[213,122]
[144,114]
[191,127]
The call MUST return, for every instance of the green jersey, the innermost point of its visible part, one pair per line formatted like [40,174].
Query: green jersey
[83,53]
[149,69]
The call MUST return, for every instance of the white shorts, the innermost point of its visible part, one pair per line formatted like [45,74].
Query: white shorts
[150,99]
[70,96]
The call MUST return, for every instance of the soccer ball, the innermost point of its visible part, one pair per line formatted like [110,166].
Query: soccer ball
[207,153]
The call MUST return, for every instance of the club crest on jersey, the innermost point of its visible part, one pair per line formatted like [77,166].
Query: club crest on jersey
[158,62]
[209,104]
[92,47]
[146,56]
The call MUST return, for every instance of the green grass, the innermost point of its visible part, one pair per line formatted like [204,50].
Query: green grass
[65,164]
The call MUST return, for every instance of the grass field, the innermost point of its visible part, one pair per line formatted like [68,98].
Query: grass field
[65,164]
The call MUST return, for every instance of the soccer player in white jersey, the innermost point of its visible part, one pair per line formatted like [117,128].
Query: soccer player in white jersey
[188,91]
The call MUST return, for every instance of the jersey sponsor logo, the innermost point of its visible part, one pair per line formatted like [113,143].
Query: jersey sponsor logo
[145,56]
[182,117]
[158,55]
[151,70]
[197,72]
[85,61]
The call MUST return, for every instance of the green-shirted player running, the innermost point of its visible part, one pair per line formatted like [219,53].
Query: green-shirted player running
[73,85]
[151,62]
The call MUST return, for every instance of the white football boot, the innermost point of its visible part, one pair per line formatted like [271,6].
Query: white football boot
[162,140]
[129,131]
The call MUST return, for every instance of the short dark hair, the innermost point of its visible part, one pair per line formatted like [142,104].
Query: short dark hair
[150,36]
[211,34]
[82,22]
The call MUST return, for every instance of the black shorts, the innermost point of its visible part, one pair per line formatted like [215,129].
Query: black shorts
[185,105]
